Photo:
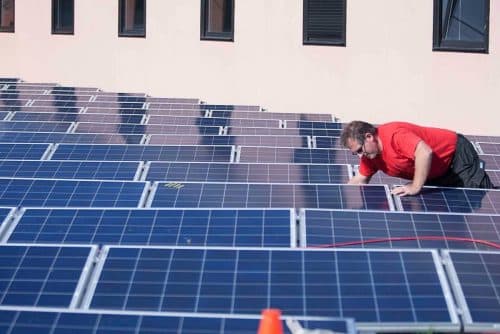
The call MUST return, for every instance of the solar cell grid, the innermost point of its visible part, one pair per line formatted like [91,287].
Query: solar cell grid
[452,200]
[73,117]
[34,126]
[492,162]
[475,278]
[238,131]
[127,111]
[88,322]
[313,125]
[275,141]
[251,195]
[327,142]
[5,103]
[490,148]
[65,89]
[57,137]
[335,227]
[85,127]
[242,172]
[3,114]
[70,193]
[42,275]
[51,109]
[494,176]
[23,151]
[485,139]
[117,105]
[295,155]
[172,100]
[93,170]
[270,115]
[156,227]
[212,121]
[375,287]
[142,153]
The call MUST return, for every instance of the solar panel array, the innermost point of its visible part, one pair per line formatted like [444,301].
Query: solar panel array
[135,214]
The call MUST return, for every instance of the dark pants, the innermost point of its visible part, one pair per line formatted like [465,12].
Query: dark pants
[466,169]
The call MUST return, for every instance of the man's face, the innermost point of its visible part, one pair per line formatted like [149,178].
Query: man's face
[367,148]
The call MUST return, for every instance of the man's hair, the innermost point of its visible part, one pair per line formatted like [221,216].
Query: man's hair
[356,130]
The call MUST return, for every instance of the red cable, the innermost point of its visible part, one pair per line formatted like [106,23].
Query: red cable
[372,241]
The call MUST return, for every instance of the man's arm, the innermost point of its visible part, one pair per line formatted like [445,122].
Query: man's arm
[359,179]
[423,160]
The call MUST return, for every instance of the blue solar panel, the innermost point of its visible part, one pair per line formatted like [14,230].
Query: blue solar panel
[475,278]
[94,170]
[4,213]
[88,322]
[117,105]
[48,109]
[374,287]
[156,227]
[238,131]
[335,227]
[240,195]
[66,193]
[22,151]
[452,200]
[213,121]
[490,148]
[484,139]
[382,178]
[313,125]
[35,126]
[115,111]
[83,127]
[270,115]
[494,176]
[57,137]
[327,142]
[3,114]
[272,141]
[492,161]
[241,172]
[74,117]
[42,275]
[295,155]
[160,106]
[143,152]
[174,100]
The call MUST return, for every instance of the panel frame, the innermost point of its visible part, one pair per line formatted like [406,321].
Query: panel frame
[7,224]
[454,325]
[467,321]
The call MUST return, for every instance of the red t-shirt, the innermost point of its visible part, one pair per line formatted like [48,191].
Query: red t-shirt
[399,141]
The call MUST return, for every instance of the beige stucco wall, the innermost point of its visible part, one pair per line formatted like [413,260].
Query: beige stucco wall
[387,71]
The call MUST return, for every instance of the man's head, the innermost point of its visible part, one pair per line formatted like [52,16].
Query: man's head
[361,139]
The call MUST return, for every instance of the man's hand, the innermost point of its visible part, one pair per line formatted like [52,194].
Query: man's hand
[407,189]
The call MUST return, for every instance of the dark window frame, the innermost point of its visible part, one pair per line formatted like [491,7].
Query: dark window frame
[58,31]
[214,36]
[13,28]
[458,46]
[121,31]
[306,40]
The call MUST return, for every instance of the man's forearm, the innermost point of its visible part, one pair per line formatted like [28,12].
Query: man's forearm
[423,161]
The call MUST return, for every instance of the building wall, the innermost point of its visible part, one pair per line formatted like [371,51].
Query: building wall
[386,72]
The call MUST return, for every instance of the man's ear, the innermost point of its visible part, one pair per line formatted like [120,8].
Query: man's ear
[368,136]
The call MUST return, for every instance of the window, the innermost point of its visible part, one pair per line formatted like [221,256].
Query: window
[217,20]
[63,16]
[461,25]
[132,18]
[6,15]
[324,22]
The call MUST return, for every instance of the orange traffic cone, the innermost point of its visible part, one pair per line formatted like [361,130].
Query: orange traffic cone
[270,323]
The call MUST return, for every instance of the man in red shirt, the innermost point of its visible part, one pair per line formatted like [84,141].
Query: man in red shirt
[427,156]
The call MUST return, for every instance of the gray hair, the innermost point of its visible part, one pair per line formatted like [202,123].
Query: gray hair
[356,130]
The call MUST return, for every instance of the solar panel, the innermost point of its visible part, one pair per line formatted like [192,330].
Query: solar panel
[57,137]
[9,80]
[94,170]
[380,289]
[313,125]
[156,227]
[4,213]
[485,139]
[382,178]
[160,106]
[23,151]
[475,278]
[452,200]
[47,276]
[142,153]
[121,95]
[238,131]
[492,162]
[34,126]
[213,121]
[176,100]
[51,109]
[295,155]
[489,148]
[117,105]
[269,115]
[75,117]
[398,229]
[242,172]
[90,322]
[64,89]
[128,111]
[6,103]
[71,193]
[327,142]
[241,195]
[494,176]
[84,127]
[275,141]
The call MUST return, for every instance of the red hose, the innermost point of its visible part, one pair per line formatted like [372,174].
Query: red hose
[372,241]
